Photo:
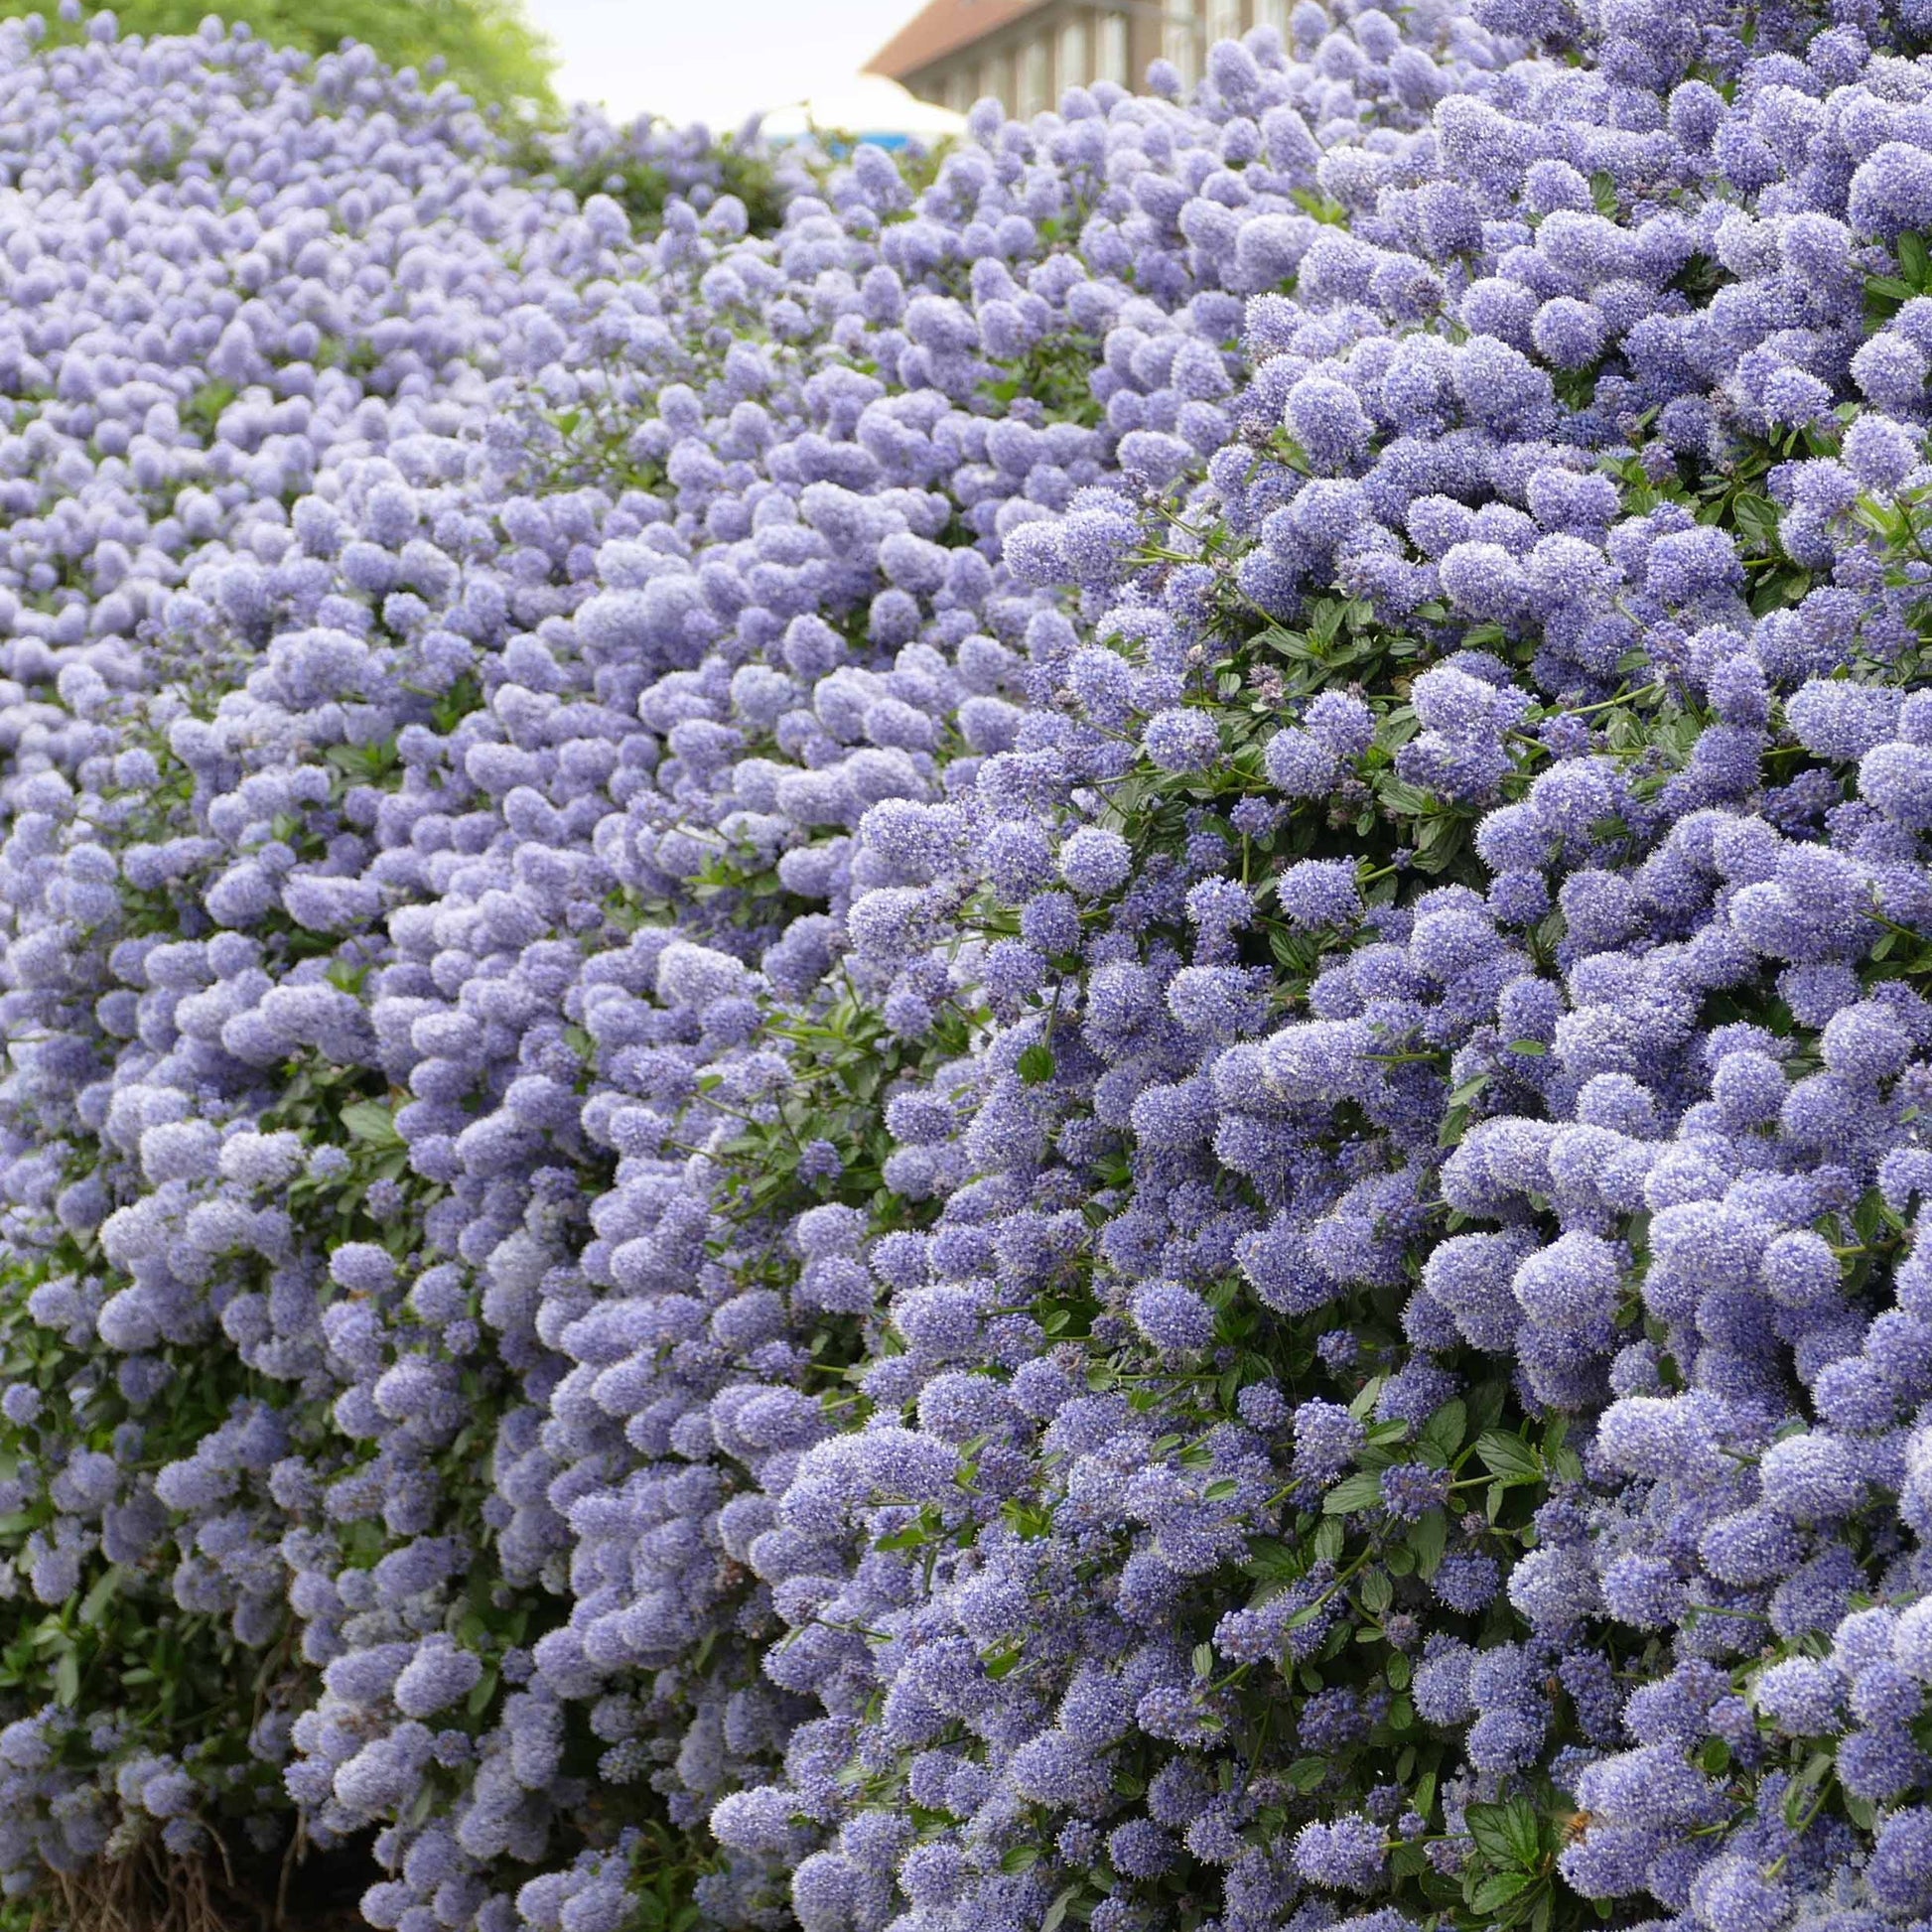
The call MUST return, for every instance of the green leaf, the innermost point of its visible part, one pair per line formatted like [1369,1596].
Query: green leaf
[1442,1434]
[1482,1825]
[1030,1521]
[1035,1065]
[1362,1490]
[1408,1862]
[1506,1834]
[1377,1592]
[1797,1799]
[373,1123]
[67,1678]
[1306,1773]
[1270,1559]
[1535,1048]
[1498,1891]
[1509,1456]
[103,1594]
[1526,1833]
[1429,1539]
[1057,1912]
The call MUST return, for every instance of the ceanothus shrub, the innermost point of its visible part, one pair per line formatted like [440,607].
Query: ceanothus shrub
[347,563]
[1463,1172]
[1050,1038]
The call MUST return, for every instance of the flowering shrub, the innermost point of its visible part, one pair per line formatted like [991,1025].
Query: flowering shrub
[1042,1050]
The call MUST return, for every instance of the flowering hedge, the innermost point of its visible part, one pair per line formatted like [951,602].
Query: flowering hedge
[1044,1049]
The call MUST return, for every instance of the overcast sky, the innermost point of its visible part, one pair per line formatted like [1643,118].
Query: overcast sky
[715,61]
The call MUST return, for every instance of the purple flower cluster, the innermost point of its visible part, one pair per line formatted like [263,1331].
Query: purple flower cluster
[1055,1044]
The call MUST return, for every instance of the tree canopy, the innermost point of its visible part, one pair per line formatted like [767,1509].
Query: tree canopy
[488,48]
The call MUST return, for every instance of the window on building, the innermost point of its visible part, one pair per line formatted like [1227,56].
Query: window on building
[1274,13]
[1035,62]
[959,89]
[1110,55]
[1180,44]
[1075,71]
[1223,20]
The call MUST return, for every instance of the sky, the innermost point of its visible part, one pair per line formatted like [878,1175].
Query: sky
[713,60]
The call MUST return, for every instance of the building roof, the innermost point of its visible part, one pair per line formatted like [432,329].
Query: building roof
[942,27]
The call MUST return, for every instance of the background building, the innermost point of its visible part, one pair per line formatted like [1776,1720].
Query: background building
[1026,53]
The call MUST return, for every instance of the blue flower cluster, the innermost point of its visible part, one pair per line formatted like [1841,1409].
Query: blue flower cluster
[1049,1046]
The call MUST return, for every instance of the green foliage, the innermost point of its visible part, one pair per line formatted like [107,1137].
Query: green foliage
[1885,295]
[663,1870]
[488,48]
[592,442]
[1058,374]
[642,187]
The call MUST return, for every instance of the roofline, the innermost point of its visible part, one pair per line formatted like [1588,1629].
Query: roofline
[896,60]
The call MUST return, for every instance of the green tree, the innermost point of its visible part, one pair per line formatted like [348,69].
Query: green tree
[488,48]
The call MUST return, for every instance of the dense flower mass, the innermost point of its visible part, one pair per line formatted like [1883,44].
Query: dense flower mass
[1036,1040]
